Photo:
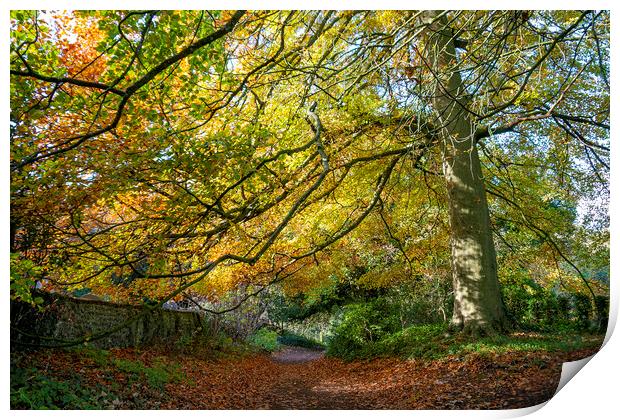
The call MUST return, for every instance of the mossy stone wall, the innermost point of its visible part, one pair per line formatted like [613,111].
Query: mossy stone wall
[66,318]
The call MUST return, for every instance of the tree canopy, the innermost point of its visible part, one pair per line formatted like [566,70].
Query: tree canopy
[156,153]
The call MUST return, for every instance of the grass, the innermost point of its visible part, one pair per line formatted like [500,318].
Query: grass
[157,375]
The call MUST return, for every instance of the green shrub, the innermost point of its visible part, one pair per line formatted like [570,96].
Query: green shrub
[265,339]
[529,306]
[414,341]
[583,310]
[534,308]
[419,341]
[564,307]
[602,312]
[290,339]
[359,326]
[426,301]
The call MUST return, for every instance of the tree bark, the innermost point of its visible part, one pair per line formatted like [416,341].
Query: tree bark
[478,307]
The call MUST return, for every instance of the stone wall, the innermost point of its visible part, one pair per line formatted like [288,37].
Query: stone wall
[69,319]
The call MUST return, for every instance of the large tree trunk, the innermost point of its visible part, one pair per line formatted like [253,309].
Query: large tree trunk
[478,307]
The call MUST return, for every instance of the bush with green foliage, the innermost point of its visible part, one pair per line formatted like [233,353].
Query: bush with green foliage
[359,325]
[534,308]
[288,338]
[24,275]
[423,301]
[531,307]
[420,341]
[601,303]
[265,339]
[583,310]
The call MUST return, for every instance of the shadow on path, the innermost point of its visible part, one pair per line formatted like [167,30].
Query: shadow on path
[296,355]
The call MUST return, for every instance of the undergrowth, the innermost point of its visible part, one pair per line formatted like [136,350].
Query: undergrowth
[434,342]
[32,389]
[265,339]
[33,386]
[288,338]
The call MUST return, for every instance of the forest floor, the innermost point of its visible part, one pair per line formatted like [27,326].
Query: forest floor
[292,378]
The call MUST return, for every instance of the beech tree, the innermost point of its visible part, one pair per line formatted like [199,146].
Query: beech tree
[156,153]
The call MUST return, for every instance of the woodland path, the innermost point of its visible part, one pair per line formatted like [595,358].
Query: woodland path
[289,354]
[296,378]
[296,386]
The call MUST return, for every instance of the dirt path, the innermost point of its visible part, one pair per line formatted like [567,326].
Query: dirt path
[297,378]
[296,355]
[296,387]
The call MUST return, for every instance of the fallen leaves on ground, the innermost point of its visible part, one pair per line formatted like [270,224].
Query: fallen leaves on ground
[307,380]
